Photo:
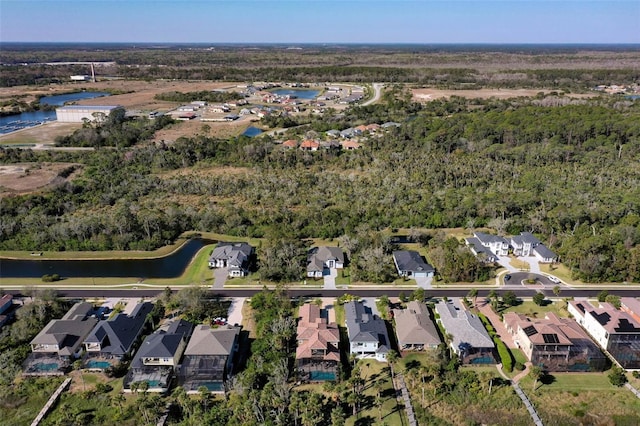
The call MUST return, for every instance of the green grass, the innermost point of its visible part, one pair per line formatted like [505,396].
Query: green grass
[339,311]
[20,404]
[530,309]
[392,412]
[519,356]
[343,277]
[573,382]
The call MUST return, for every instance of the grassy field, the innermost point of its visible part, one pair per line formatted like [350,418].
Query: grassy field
[390,411]
[530,309]
[21,403]
[582,398]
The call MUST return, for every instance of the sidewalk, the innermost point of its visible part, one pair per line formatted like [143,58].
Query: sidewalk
[485,308]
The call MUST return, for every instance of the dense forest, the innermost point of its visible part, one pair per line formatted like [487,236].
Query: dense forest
[564,169]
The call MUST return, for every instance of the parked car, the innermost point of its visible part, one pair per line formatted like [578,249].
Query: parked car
[507,277]
[555,280]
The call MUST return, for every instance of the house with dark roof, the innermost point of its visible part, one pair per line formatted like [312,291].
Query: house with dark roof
[483,253]
[59,343]
[414,328]
[544,255]
[616,331]
[554,343]
[318,352]
[367,333]
[411,265]
[321,259]
[158,356]
[499,246]
[469,339]
[236,257]
[524,244]
[111,340]
[208,358]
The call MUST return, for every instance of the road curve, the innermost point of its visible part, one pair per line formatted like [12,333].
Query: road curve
[377,92]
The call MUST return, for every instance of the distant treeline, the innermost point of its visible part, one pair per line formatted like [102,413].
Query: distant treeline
[204,95]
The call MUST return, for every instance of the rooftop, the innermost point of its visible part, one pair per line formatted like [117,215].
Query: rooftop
[465,327]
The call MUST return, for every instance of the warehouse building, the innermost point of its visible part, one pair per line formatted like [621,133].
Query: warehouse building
[77,113]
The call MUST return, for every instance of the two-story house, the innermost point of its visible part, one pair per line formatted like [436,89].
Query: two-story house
[367,333]
[208,358]
[524,244]
[59,343]
[111,340]
[556,344]
[499,246]
[318,353]
[158,356]
[236,257]
[616,331]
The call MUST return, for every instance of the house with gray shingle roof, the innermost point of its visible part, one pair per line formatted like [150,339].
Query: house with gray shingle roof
[367,333]
[208,358]
[483,253]
[158,356]
[236,257]
[321,259]
[544,255]
[414,328]
[498,245]
[59,343]
[410,264]
[469,339]
[115,338]
[524,244]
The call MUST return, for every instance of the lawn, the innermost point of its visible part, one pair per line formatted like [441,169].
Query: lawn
[21,403]
[519,264]
[582,398]
[560,271]
[530,309]
[391,411]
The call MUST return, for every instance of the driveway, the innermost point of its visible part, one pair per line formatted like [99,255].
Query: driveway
[504,262]
[220,277]
[370,302]
[330,280]
[532,261]
[424,282]
[234,316]
[377,91]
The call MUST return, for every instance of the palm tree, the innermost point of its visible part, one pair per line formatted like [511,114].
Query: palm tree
[473,293]
[536,374]
[557,290]
[392,357]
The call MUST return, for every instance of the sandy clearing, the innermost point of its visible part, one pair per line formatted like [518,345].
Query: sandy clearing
[28,177]
[431,94]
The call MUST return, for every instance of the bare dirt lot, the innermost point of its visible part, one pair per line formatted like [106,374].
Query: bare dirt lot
[29,177]
[431,94]
[43,134]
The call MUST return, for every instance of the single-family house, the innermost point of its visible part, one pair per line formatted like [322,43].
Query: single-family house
[309,145]
[524,244]
[469,339]
[330,144]
[631,306]
[409,263]
[554,343]
[234,256]
[158,356]
[367,333]
[208,358]
[544,255]
[59,343]
[616,331]
[333,133]
[112,340]
[373,127]
[483,253]
[318,352]
[323,258]
[350,145]
[290,144]
[390,124]
[414,328]
[498,245]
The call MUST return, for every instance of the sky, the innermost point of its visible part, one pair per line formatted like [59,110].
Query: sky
[321,21]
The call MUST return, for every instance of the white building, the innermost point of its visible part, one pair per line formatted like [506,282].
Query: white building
[78,113]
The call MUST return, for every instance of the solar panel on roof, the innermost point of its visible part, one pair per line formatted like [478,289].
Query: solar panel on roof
[530,331]
[550,338]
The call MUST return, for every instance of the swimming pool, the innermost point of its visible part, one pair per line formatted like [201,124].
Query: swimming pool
[98,364]
[322,375]
[41,366]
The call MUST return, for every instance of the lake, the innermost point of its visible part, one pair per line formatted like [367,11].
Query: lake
[170,266]
[297,93]
[252,131]
[12,123]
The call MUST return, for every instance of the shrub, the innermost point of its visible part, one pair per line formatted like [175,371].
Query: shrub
[519,366]
[617,376]
[505,355]
[49,278]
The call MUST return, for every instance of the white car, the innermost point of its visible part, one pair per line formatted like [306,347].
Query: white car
[554,280]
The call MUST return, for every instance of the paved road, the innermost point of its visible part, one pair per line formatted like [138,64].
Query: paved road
[520,292]
[377,92]
[519,278]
